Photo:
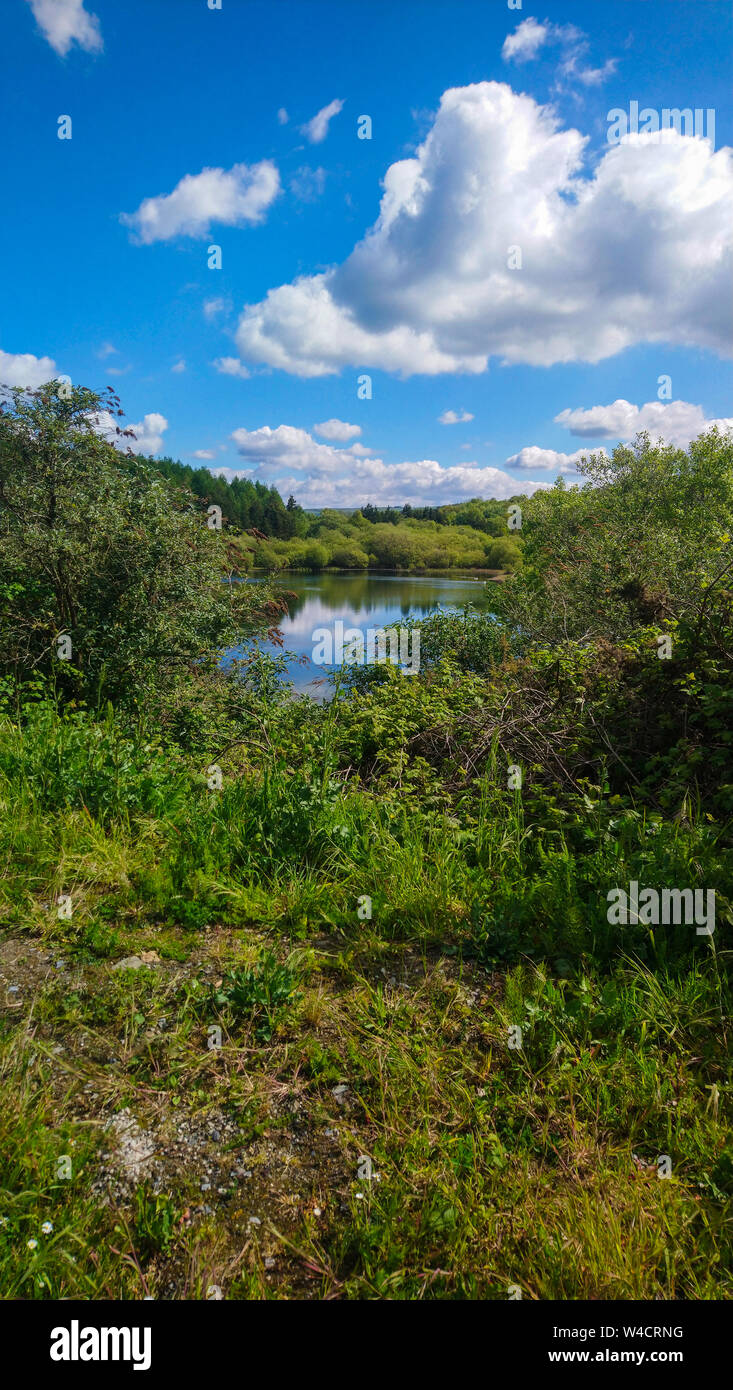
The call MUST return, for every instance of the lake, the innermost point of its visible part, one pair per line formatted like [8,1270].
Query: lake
[365,601]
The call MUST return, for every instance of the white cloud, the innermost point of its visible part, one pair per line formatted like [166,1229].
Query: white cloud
[148,432]
[590,77]
[450,417]
[301,329]
[212,307]
[677,422]
[283,116]
[107,350]
[337,429]
[529,36]
[204,454]
[638,251]
[64,22]
[322,475]
[526,40]
[23,369]
[235,197]
[230,366]
[289,447]
[316,129]
[532,456]
[179,366]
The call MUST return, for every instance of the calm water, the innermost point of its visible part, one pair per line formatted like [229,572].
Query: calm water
[360,601]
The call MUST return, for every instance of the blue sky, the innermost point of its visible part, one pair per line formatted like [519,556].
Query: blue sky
[494,136]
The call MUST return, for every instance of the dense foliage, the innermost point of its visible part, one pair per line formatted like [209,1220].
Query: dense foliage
[110,578]
[353,541]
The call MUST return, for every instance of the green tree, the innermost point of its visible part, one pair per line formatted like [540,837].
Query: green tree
[639,545]
[97,547]
[503,554]
[315,556]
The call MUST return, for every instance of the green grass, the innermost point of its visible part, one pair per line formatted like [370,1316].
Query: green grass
[491,1165]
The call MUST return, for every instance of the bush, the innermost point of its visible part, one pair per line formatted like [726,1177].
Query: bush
[349,557]
[314,556]
[503,554]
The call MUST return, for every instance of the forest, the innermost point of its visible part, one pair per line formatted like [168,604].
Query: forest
[464,535]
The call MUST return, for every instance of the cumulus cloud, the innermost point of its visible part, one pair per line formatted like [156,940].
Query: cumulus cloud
[532,456]
[638,251]
[337,429]
[203,454]
[65,22]
[526,40]
[235,197]
[148,432]
[316,129]
[282,116]
[451,417]
[288,446]
[677,422]
[322,475]
[107,350]
[179,366]
[23,369]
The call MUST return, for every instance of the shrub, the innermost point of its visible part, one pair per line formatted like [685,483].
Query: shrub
[259,993]
[349,557]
